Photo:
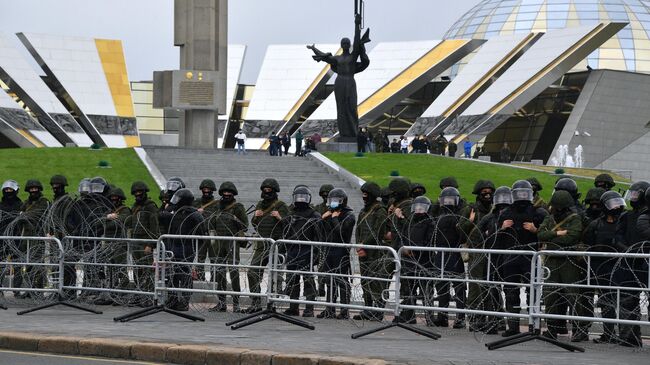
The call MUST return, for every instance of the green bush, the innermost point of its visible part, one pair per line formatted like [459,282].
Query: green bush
[559,171]
[103,163]
[95,146]
[359,154]
[394,173]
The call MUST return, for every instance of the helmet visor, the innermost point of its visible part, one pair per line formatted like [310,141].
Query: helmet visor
[97,188]
[420,208]
[10,184]
[503,198]
[449,200]
[612,204]
[302,198]
[175,199]
[522,194]
[173,185]
[632,195]
[84,187]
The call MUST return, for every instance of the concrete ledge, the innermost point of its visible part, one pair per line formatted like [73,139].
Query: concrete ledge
[257,357]
[187,354]
[19,341]
[60,345]
[165,352]
[223,356]
[155,352]
[289,359]
[118,349]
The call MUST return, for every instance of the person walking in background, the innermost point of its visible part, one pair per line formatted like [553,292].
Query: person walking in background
[286,143]
[362,141]
[370,146]
[240,141]
[404,144]
[453,147]
[274,145]
[505,153]
[298,138]
[467,146]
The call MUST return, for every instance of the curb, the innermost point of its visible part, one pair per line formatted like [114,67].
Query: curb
[184,354]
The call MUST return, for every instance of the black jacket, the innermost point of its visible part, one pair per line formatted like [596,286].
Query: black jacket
[185,221]
[339,230]
[301,225]
[9,210]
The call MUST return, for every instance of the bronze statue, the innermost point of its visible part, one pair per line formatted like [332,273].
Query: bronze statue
[345,66]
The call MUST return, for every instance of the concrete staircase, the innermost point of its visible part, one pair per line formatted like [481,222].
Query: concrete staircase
[247,172]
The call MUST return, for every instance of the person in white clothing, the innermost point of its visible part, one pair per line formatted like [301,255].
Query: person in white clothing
[240,139]
[404,144]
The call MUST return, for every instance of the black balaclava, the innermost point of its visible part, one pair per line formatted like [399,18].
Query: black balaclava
[207,195]
[9,195]
[35,195]
[141,197]
[227,199]
[58,189]
[271,195]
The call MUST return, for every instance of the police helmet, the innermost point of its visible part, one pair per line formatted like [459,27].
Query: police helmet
[612,200]
[522,190]
[503,196]
[301,194]
[421,205]
[449,197]
[182,197]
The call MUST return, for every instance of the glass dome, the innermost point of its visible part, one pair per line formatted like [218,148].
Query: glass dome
[629,50]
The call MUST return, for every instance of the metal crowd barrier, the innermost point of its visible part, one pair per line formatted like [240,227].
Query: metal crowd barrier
[167,266]
[49,260]
[441,276]
[587,283]
[92,264]
[90,256]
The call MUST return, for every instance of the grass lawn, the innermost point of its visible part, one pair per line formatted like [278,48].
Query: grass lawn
[429,169]
[22,164]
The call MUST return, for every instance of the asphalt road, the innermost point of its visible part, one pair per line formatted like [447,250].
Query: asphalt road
[31,358]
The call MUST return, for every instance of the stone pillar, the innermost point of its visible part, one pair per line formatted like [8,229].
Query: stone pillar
[201,33]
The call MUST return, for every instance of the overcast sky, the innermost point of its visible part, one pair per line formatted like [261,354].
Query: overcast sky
[146,26]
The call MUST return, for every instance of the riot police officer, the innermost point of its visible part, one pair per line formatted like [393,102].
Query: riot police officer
[470,217]
[206,205]
[371,228]
[562,230]
[268,213]
[143,224]
[599,237]
[604,181]
[627,239]
[228,219]
[338,224]
[184,219]
[302,224]
[418,264]
[538,201]
[323,192]
[518,225]
[484,235]
[447,234]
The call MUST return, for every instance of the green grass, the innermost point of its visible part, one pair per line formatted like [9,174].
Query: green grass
[428,170]
[22,164]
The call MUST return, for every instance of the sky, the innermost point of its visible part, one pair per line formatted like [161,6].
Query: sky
[146,26]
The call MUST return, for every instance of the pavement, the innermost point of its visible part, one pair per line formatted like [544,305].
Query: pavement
[273,342]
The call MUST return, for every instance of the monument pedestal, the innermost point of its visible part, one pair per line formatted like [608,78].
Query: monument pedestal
[337,147]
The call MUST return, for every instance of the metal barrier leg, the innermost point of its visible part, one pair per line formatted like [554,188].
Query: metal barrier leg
[397,323]
[265,314]
[59,301]
[531,336]
[156,308]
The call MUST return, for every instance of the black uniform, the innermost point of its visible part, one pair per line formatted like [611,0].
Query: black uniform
[337,259]
[516,268]
[302,224]
[185,221]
